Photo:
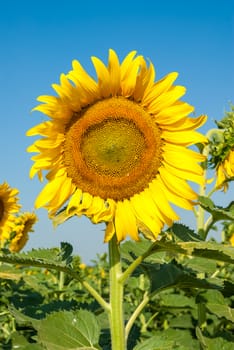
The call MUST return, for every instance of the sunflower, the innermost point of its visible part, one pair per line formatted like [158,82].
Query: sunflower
[16,236]
[225,171]
[8,205]
[231,240]
[116,148]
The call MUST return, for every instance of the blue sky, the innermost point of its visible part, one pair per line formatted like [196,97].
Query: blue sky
[39,40]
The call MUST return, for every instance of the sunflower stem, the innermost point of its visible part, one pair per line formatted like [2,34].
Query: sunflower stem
[202,192]
[135,314]
[116,297]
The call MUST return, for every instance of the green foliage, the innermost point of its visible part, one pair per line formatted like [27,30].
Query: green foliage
[217,212]
[189,290]
[184,283]
[76,330]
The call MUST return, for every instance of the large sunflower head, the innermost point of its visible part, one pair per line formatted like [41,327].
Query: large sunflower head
[8,204]
[115,148]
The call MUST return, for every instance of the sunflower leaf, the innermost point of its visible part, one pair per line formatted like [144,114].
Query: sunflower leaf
[77,330]
[48,255]
[54,258]
[218,213]
[172,275]
[156,343]
[207,250]
[184,233]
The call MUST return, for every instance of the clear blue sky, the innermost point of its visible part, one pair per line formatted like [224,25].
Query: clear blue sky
[39,39]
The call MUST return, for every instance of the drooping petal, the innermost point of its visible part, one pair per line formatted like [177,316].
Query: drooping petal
[125,221]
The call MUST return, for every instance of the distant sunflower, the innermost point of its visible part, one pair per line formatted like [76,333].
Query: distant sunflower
[115,148]
[17,236]
[225,171]
[231,240]
[8,204]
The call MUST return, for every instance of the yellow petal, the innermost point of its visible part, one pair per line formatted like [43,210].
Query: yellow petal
[61,195]
[185,124]
[128,83]
[125,222]
[166,99]
[144,214]
[86,202]
[126,64]
[88,87]
[158,88]
[177,185]
[49,191]
[110,231]
[177,111]
[184,174]
[161,200]
[155,206]
[174,198]
[114,71]
[183,161]
[145,81]
[75,200]
[103,77]
[184,138]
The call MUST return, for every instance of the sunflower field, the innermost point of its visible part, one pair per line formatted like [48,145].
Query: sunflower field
[187,299]
[123,150]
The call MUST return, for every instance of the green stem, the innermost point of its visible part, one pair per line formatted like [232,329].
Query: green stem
[136,313]
[116,297]
[134,265]
[208,225]
[202,192]
[131,268]
[61,280]
[96,296]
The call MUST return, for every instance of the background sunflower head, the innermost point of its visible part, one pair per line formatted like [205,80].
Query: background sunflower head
[16,235]
[8,205]
[222,150]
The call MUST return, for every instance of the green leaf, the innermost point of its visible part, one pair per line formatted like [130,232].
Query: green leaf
[69,330]
[207,250]
[66,251]
[218,344]
[49,256]
[217,305]
[53,258]
[170,275]
[217,212]
[23,319]
[201,265]
[201,338]
[184,233]
[182,338]
[177,301]
[221,311]
[10,272]
[183,321]
[156,343]
[130,250]
[19,342]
